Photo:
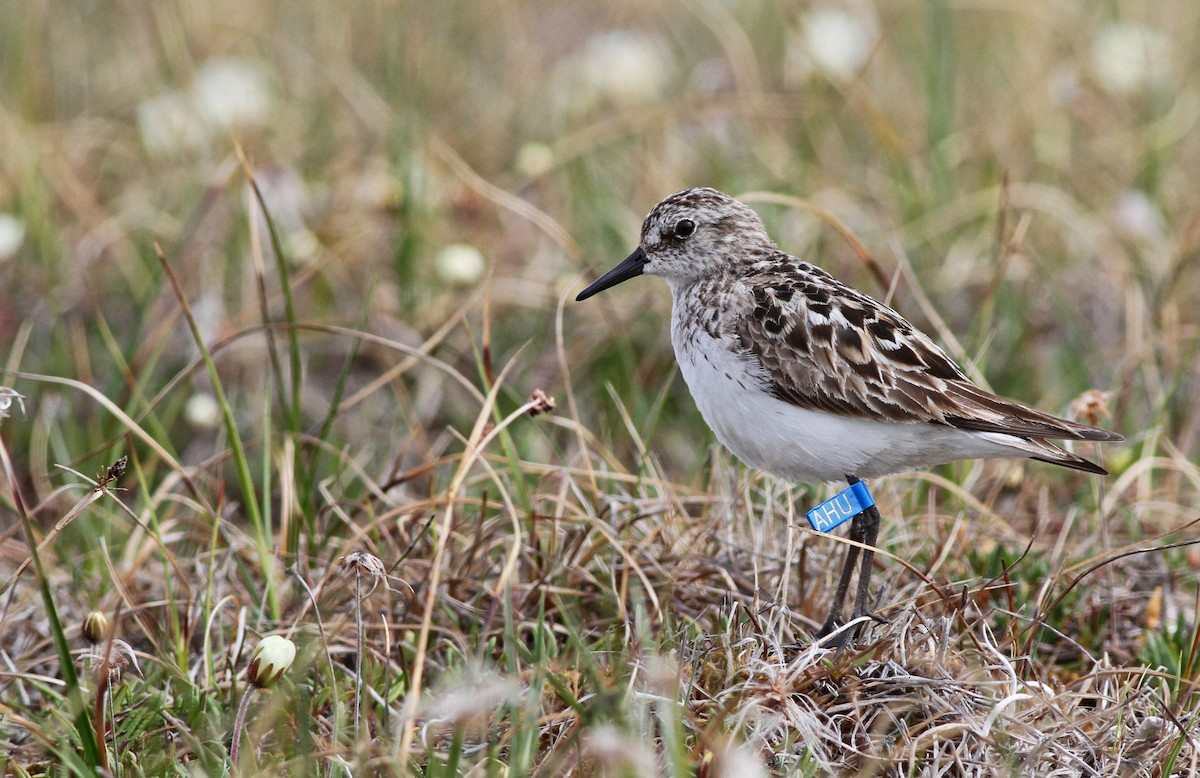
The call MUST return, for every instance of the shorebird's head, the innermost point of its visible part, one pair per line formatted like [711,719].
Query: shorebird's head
[690,235]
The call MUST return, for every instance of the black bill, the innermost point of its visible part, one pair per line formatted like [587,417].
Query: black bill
[632,266]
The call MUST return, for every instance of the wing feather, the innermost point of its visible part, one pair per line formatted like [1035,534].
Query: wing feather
[824,346]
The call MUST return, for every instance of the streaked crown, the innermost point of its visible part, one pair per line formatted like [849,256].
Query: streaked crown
[699,232]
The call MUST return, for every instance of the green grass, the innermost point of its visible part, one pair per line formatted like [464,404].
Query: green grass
[297,374]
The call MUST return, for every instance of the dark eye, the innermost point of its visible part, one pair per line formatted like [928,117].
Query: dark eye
[685,228]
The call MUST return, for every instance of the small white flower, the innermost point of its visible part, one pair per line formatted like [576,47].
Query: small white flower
[534,159]
[301,244]
[232,93]
[837,41]
[378,187]
[460,264]
[616,750]
[287,200]
[1129,56]
[624,67]
[169,124]
[606,742]
[12,235]
[471,697]
[202,411]
[1134,216]
[739,762]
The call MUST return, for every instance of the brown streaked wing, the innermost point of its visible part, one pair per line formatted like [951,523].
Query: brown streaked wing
[827,347]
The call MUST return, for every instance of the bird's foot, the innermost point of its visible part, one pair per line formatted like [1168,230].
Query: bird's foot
[836,633]
[875,617]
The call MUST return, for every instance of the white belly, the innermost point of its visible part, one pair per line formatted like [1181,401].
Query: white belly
[805,445]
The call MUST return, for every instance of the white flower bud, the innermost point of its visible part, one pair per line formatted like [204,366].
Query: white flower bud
[270,659]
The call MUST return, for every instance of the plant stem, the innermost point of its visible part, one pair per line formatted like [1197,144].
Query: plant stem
[238,723]
[358,628]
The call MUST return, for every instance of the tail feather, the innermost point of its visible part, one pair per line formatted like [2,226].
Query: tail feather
[1044,451]
[1075,463]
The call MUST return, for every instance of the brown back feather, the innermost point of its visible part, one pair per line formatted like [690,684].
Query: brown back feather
[824,346]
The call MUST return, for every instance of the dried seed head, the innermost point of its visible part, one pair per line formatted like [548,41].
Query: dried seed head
[120,657]
[270,659]
[362,563]
[95,628]
[540,402]
[110,474]
[117,469]
[1091,406]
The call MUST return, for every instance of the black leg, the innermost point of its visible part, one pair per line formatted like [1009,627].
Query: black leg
[834,619]
[864,529]
[870,535]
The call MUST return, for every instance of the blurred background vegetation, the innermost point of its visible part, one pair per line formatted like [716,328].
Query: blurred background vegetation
[447,175]
[378,130]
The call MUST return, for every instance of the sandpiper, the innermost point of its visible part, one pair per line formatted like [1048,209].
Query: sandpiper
[809,379]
